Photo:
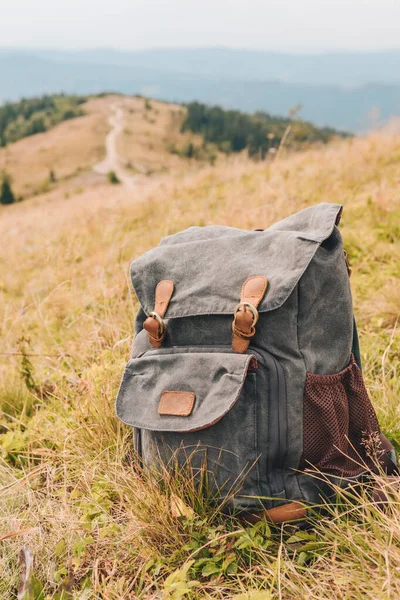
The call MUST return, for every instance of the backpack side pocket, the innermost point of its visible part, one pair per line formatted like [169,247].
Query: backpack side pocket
[340,428]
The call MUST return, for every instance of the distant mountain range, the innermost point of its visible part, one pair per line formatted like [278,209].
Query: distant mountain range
[352,91]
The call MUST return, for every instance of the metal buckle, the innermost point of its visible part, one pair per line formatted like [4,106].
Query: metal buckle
[250,307]
[160,321]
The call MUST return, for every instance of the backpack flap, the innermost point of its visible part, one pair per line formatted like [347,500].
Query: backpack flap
[208,265]
[169,392]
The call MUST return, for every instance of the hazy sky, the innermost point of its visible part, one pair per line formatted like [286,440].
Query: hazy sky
[295,25]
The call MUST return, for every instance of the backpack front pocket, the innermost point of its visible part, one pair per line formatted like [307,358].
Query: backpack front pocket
[340,429]
[198,409]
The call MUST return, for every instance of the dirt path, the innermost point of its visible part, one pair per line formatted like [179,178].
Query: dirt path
[112,161]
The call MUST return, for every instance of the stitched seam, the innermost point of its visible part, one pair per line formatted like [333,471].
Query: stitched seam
[175,413]
[255,437]
[297,476]
[186,394]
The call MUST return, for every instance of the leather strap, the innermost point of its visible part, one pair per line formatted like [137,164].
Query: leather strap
[164,291]
[243,326]
[154,324]
[292,511]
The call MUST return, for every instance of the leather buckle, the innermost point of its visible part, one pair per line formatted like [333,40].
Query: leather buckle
[245,315]
[251,308]
[160,321]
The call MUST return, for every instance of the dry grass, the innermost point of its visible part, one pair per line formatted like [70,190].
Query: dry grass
[71,491]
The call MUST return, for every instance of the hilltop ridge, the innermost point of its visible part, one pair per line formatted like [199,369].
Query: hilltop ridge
[59,143]
[348,91]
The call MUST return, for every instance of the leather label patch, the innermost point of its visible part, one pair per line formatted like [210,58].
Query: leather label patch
[176,404]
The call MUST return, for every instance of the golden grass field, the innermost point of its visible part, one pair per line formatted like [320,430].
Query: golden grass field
[70,492]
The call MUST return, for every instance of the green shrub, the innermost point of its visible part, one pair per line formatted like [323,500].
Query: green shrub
[112,177]
[233,131]
[6,193]
[36,115]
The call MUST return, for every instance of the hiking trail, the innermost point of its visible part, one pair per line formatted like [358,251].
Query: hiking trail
[112,161]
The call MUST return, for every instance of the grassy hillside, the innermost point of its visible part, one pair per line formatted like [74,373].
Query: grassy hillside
[50,149]
[60,161]
[71,492]
[69,149]
[152,132]
[36,115]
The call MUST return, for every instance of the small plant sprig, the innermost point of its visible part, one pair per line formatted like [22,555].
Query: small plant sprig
[27,369]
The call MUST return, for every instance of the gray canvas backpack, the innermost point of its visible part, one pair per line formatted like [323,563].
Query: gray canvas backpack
[245,364]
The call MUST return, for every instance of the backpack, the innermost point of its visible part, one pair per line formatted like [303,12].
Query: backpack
[246,366]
